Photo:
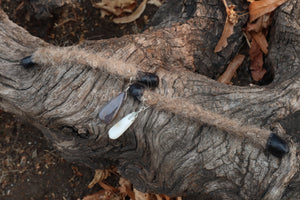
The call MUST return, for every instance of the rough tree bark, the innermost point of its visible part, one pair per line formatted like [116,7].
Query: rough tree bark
[165,151]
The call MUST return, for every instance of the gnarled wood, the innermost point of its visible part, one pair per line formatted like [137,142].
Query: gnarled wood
[164,151]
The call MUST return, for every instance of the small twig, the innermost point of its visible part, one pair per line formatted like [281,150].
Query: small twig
[241,15]
[248,42]
[18,8]
[225,4]
[51,153]
[9,171]
[64,22]
[231,69]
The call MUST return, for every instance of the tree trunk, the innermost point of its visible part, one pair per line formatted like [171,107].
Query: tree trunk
[199,137]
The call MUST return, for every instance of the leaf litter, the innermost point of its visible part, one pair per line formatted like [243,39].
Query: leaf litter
[231,20]
[135,15]
[124,190]
[121,8]
[260,8]
[255,32]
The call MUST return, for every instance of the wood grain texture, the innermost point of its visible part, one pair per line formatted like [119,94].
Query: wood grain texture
[162,152]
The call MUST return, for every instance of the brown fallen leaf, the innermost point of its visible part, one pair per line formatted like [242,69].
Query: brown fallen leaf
[126,188]
[261,41]
[258,26]
[108,187]
[166,197]
[231,69]
[122,192]
[261,23]
[258,75]
[158,197]
[135,15]
[231,20]
[256,57]
[162,197]
[258,31]
[76,171]
[141,196]
[96,196]
[99,176]
[259,8]
[115,7]
[155,2]
[103,195]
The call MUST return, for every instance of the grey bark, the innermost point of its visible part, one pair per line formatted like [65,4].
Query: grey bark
[163,152]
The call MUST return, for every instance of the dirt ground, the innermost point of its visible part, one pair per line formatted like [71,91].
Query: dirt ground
[30,168]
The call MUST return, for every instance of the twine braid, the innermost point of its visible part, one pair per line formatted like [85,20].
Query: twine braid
[77,56]
[186,109]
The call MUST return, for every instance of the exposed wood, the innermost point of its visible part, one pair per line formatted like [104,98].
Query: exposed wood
[163,151]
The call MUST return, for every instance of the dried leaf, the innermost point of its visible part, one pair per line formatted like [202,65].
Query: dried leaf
[166,197]
[135,15]
[256,57]
[231,69]
[141,196]
[76,171]
[158,197]
[116,7]
[231,20]
[126,188]
[227,32]
[99,176]
[258,31]
[162,197]
[101,195]
[254,53]
[258,75]
[259,8]
[261,23]
[108,192]
[261,41]
[155,2]
[108,187]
